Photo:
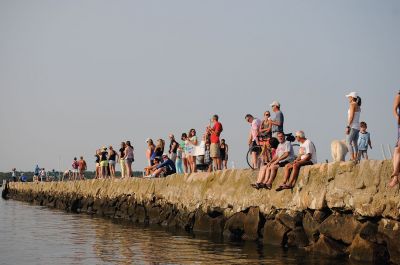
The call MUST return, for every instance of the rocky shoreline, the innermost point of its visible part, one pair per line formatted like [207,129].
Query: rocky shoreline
[339,210]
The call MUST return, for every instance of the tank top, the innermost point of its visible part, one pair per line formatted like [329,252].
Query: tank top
[355,124]
[129,155]
[112,156]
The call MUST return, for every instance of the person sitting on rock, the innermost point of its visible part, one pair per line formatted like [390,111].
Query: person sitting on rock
[307,156]
[284,155]
[166,168]
[150,169]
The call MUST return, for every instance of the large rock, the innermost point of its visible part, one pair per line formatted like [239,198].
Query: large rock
[251,224]
[364,250]
[328,247]
[390,231]
[275,233]
[311,227]
[290,219]
[234,226]
[297,238]
[205,223]
[340,227]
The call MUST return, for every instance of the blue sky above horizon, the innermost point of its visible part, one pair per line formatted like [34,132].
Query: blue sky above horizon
[77,75]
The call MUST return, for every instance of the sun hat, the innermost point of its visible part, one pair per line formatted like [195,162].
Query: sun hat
[352,94]
[275,103]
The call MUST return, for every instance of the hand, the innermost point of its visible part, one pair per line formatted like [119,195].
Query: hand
[347,131]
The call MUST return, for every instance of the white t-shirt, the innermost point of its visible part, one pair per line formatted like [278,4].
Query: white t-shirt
[308,148]
[283,148]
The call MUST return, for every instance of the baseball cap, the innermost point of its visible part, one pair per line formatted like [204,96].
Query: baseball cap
[300,134]
[352,94]
[275,103]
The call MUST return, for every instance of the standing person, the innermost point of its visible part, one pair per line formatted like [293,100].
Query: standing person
[112,157]
[396,153]
[191,143]
[97,156]
[122,160]
[82,167]
[75,166]
[129,158]
[215,130]
[364,140]
[173,147]
[150,151]
[179,161]
[159,150]
[278,120]
[353,124]
[184,153]
[36,172]
[266,125]
[14,175]
[255,125]
[104,162]
[224,154]
[42,174]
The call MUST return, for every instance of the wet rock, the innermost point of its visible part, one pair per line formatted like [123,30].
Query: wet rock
[205,223]
[290,219]
[234,226]
[139,215]
[251,224]
[311,227]
[153,214]
[369,231]
[275,233]
[364,250]
[340,227]
[328,247]
[297,238]
[390,232]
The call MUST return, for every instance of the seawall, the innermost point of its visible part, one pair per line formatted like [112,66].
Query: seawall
[337,209]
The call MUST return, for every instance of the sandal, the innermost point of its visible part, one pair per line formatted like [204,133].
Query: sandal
[287,187]
[281,187]
[268,186]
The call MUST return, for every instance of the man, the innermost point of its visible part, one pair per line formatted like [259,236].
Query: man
[82,167]
[215,131]
[307,156]
[284,155]
[255,126]
[173,147]
[167,167]
[278,120]
[75,166]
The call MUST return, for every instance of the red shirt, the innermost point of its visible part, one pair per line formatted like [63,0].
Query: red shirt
[217,131]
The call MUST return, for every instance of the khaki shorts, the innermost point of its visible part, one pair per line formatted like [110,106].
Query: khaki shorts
[214,150]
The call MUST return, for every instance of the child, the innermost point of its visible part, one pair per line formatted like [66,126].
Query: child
[364,140]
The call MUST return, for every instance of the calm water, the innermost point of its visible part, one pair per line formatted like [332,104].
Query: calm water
[36,235]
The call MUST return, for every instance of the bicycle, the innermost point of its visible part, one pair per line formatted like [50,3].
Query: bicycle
[263,150]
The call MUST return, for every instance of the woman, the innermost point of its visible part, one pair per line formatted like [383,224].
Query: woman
[121,159]
[191,143]
[159,149]
[396,153]
[104,163]
[112,155]
[150,151]
[353,124]
[266,125]
[185,161]
[97,156]
[224,154]
[178,160]
[129,158]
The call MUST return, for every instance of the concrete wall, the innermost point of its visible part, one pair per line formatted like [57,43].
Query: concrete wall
[338,209]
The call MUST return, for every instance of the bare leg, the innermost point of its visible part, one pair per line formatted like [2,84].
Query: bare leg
[254,160]
[272,175]
[396,167]
[261,174]
[288,170]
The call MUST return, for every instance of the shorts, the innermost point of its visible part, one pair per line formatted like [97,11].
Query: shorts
[128,160]
[255,148]
[225,158]
[111,162]
[75,170]
[172,156]
[283,163]
[104,163]
[214,150]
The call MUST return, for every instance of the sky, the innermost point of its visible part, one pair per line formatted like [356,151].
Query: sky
[77,75]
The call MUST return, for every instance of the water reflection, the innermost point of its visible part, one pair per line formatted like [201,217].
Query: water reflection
[36,235]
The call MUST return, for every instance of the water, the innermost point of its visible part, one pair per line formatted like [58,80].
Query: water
[37,235]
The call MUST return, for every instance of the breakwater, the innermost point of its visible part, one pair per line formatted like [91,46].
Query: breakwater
[337,209]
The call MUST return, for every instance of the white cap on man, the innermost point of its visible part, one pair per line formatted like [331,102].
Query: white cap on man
[300,134]
[352,94]
[275,103]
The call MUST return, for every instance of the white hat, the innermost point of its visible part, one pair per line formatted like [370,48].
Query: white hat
[147,140]
[352,94]
[275,103]
[165,154]
[300,134]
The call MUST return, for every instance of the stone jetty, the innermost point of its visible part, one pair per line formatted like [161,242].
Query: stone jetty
[337,209]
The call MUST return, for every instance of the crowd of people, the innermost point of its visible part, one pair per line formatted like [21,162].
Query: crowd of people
[266,140]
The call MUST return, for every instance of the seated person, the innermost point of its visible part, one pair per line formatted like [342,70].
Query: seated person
[150,169]
[307,156]
[166,168]
[283,155]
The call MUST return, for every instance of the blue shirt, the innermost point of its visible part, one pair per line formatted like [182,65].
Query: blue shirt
[169,165]
[363,140]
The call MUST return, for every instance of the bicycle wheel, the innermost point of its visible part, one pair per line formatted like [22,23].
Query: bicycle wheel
[256,149]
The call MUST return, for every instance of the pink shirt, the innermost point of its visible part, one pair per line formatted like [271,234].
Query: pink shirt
[255,129]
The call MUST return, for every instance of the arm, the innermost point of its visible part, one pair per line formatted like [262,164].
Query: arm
[284,156]
[369,142]
[396,105]
[351,116]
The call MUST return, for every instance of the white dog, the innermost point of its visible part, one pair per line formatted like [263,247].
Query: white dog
[338,150]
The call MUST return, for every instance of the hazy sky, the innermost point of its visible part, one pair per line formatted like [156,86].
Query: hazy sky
[76,75]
